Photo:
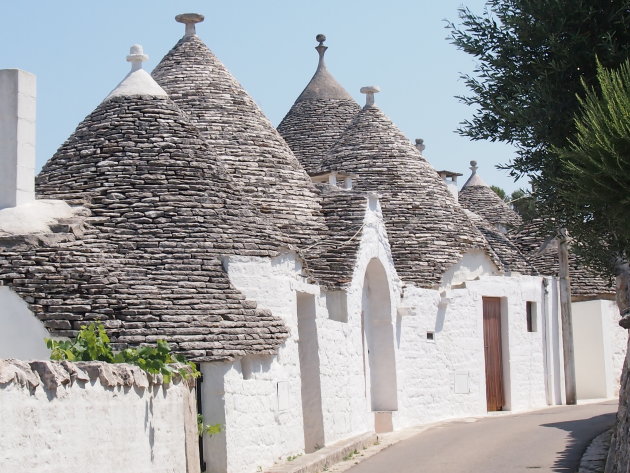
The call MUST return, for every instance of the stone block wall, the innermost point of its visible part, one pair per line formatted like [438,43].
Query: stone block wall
[96,417]
[619,454]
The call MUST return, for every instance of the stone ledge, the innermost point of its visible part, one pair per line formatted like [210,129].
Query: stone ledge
[52,374]
[325,457]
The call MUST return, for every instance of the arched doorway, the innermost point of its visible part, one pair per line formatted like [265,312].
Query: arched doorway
[379,362]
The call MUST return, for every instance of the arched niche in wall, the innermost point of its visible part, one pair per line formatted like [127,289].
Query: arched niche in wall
[21,333]
[378,339]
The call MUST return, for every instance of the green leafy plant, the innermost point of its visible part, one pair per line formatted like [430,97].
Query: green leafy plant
[93,344]
[207,429]
[290,458]
[350,455]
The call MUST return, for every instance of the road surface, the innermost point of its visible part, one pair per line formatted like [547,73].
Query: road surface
[549,440]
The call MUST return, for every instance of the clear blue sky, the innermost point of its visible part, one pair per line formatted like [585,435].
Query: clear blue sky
[77,50]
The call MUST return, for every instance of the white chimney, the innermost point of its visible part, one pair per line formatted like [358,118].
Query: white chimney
[450,179]
[17,137]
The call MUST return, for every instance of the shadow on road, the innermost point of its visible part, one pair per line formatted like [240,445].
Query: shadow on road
[580,435]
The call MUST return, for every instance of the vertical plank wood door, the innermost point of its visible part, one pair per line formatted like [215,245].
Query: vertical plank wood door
[492,351]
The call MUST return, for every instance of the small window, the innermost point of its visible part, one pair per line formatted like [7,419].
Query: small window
[431,336]
[531,317]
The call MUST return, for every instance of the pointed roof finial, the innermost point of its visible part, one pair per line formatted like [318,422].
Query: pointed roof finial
[420,146]
[474,179]
[189,19]
[138,81]
[321,49]
[369,92]
[136,57]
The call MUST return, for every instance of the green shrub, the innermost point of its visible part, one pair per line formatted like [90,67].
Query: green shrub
[93,344]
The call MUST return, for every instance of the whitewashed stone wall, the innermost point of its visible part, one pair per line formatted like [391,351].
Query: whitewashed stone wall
[94,417]
[264,412]
[436,379]
[21,333]
[445,377]
[599,345]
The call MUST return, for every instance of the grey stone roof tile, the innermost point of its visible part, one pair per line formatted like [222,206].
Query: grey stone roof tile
[254,154]
[510,256]
[333,259]
[484,201]
[318,117]
[542,252]
[428,231]
[147,259]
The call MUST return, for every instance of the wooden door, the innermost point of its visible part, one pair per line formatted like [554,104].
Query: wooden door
[492,351]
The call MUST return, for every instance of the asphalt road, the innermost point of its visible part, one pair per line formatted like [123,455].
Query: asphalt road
[549,440]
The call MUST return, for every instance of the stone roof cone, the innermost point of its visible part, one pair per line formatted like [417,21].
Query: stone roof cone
[318,116]
[478,197]
[428,231]
[235,128]
[160,212]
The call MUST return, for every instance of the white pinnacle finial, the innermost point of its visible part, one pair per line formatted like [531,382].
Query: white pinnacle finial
[369,92]
[474,167]
[136,57]
[189,19]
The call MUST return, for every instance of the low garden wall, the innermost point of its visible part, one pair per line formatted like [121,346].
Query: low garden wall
[95,417]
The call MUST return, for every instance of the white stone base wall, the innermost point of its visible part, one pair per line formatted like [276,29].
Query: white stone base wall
[94,417]
[599,344]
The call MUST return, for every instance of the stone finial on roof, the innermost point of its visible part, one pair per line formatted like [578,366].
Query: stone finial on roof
[189,19]
[420,146]
[321,49]
[136,57]
[138,81]
[474,179]
[369,92]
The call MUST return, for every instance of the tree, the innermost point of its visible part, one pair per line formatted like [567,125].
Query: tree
[500,192]
[532,56]
[597,165]
[524,203]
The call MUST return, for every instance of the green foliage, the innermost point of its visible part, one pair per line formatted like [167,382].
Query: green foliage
[498,191]
[524,203]
[93,344]
[535,58]
[350,455]
[532,55]
[207,429]
[597,165]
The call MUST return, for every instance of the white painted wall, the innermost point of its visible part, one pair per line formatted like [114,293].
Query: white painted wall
[598,346]
[426,371]
[86,426]
[21,333]
[429,368]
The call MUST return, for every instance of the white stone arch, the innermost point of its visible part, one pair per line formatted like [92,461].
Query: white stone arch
[21,333]
[379,353]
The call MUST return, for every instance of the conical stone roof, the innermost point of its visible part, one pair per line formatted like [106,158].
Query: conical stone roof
[318,117]
[510,256]
[253,152]
[541,248]
[478,197]
[146,259]
[428,232]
